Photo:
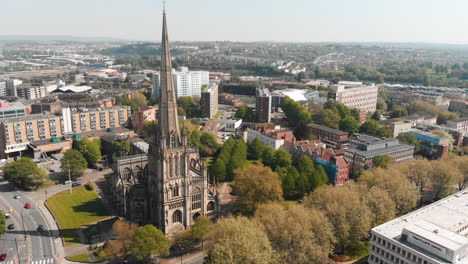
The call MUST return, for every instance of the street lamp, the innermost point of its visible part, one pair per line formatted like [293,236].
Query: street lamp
[69,178]
[181,253]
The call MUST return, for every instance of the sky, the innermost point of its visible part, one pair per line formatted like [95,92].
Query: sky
[437,21]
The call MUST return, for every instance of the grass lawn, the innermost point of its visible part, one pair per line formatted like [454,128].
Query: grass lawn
[80,257]
[73,210]
[287,203]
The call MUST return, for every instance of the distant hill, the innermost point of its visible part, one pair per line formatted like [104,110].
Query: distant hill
[57,38]
[139,49]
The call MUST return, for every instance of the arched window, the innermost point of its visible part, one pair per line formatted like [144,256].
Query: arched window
[137,172]
[175,191]
[177,217]
[127,174]
[173,141]
[196,198]
[210,206]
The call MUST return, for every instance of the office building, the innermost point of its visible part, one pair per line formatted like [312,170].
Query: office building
[156,85]
[399,127]
[355,95]
[263,105]
[17,133]
[334,138]
[364,148]
[435,234]
[11,86]
[209,101]
[3,87]
[432,145]
[459,124]
[458,106]
[189,83]
[13,109]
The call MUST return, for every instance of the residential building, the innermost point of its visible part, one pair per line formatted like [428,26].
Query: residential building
[209,101]
[189,83]
[143,115]
[168,187]
[17,133]
[156,85]
[263,105]
[13,109]
[459,124]
[364,148]
[3,87]
[334,138]
[432,146]
[230,125]
[27,91]
[458,106]
[229,99]
[355,95]
[434,234]
[11,85]
[421,120]
[270,135]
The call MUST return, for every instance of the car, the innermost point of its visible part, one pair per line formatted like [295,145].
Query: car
[11,226]
[40,228]
[27,206]
[68,182]
[17,196]
[11,210]
[75,184]
[7,216]
[3,257]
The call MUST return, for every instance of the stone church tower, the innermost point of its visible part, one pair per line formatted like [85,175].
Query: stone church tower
[169,187]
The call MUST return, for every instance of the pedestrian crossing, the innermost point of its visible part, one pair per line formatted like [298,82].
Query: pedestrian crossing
[9,262]
[44,261]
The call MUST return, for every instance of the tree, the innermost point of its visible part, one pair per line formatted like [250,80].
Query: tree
[326,117]
[120,245]
[377,115]
[443,177]
[238,240]
[398,111]
[382,161]
[208,144]
[381,104]
[255,149]
[349,125]
[139,99]
[257,184]
[418,173]
[370,127]
[282,159]
[299,235]
[385,132]
[268,156]
[200,230]
[410,139]
[121,148]
[349,216]
[24,173]
[302,131]
[294,184]
[444,116]
[218,169]
[73,162]
[2,223]
[148,241]
[462,164]
[403,193]
[90,149]
[320,177]
[380,204]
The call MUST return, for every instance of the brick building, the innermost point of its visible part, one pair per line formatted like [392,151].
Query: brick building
[334,138]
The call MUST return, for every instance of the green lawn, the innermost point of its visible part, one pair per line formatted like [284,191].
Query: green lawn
[80,257]
[73,210]
[218,114]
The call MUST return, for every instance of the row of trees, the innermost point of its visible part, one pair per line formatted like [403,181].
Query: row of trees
[189,106]
[245,113]
[232,156]
[137,100]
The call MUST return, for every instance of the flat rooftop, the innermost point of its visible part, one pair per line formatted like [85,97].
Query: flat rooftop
[443,222]
[329,130]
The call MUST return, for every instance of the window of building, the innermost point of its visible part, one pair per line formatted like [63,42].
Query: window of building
[177,217]
[175,191]
[196,198]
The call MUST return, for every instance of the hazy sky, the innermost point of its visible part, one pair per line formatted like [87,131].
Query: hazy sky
[444,21]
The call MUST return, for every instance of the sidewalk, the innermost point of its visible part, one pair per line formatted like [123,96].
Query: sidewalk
[187,258]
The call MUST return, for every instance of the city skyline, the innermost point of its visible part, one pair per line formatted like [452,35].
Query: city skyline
[295,21]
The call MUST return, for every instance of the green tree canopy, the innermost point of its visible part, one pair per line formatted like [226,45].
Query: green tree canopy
[410,139]
[295,112]
[382,161]
[73,162]
[90,149]
[444,116]
[327,117]
[24,173]
[282,159]
[148,241]
[121,148]
[398,111]
[268,156]
[2,223]
[370,127]
[349,125]
[255,149]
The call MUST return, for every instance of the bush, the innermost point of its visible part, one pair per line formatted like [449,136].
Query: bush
[89,186]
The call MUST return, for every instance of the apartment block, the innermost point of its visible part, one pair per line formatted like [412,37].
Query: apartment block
[435,234]
[355,95]
[364,148]
[209,101]
[3,87]
[459,124]
[143,115]
[20,133]
[29,92]
[189,83]
[263,105]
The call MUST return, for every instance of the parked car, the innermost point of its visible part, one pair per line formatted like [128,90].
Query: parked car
[11,226]
[7,216]
[27,206]
[68,182]
[75,184]
[3,257]
[17,196]
[40,228]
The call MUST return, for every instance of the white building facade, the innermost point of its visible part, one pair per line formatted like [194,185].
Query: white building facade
[435,234]
[356,95]
[189,83]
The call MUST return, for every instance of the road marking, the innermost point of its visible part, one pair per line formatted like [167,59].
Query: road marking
[43,261]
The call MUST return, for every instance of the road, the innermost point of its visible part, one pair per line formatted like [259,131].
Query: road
[33,246]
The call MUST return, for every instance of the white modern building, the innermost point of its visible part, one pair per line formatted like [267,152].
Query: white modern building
[434,234]
[189,83]
[459,124]
[355,95]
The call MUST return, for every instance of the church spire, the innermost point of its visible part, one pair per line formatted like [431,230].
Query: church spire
[167,113]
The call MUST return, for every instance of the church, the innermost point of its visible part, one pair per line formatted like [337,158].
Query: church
[168,187]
